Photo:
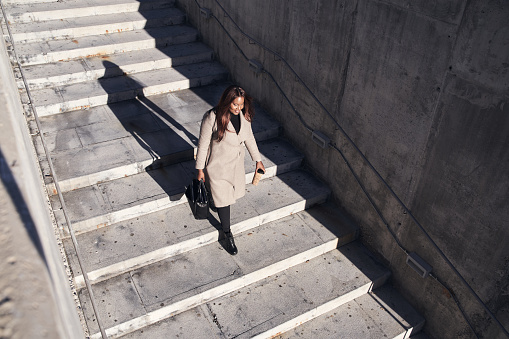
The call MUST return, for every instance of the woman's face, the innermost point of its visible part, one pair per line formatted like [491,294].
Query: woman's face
[237,105]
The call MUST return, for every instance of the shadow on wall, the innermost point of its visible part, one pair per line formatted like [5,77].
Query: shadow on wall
[12,188]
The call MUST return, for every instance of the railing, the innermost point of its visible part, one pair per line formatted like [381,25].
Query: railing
[207,13]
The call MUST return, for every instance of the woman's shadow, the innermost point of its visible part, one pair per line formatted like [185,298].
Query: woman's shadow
[161,138]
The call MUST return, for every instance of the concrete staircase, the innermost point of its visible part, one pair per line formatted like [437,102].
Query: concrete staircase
[121,87]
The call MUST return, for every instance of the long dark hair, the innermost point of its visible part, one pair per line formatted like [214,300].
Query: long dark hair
[223,108]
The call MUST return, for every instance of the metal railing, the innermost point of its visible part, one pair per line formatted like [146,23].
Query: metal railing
[207,13]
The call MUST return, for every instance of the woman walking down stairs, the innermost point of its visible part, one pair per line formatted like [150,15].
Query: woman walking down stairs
[120,89]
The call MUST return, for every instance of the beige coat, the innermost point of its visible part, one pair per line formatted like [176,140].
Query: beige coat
[224,161]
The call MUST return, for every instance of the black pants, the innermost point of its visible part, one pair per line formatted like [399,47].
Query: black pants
[224,217]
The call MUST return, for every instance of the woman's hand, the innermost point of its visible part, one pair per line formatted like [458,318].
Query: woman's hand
[201,175]
[259,165]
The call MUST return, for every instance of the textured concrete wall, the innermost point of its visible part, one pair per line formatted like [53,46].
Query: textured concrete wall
[422,89]
[35,298]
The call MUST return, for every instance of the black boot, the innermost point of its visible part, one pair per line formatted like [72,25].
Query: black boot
[230,243]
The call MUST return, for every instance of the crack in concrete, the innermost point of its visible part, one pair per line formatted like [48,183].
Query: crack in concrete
[137,292]
[215,321]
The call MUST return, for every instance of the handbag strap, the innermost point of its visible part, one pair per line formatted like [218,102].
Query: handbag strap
[202,192]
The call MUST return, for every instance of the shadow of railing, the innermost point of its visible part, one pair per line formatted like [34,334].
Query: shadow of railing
[11,187]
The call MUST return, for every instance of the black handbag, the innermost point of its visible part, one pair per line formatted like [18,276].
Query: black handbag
[196,194]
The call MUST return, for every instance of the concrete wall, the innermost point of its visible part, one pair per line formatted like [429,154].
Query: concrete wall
[35,296]
[422,89]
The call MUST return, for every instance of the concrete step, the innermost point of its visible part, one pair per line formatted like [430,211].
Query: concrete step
[88,69]
[15,2]
[123,139]
[271,281]
[135,243]
[22,11]
[95,25]
[119,200]
[382,313]
[105,44]
[93,93]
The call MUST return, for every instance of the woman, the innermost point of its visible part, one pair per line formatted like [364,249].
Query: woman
[224,131]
